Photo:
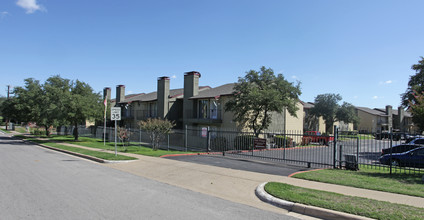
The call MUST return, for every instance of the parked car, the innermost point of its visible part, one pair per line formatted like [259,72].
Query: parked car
[417,141]
[412,158]
[316,137]
[399,148]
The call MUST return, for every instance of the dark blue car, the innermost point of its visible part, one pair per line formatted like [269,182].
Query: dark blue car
[412,158]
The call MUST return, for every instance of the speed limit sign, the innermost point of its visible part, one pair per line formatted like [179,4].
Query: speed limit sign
[115,114]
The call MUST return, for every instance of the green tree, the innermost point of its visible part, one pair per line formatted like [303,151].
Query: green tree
[157,129]
[259,94]
[327,106]
[417,110]
[82,104]
[25,104]
[415,84]
[58,101]
[55,99]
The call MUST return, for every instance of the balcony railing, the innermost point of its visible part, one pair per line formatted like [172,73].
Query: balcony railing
[211,116]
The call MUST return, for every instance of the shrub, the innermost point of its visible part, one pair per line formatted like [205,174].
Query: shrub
[283,141]
[219,144]
[157,129]
[244,142]
[306,140]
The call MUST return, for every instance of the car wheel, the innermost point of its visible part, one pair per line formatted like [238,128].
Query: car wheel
[395,163]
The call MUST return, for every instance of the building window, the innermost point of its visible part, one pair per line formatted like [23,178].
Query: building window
[209,109]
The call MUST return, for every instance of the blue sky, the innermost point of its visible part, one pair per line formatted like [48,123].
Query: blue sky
[362,50]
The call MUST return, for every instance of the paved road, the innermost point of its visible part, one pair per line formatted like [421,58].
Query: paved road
[36,183]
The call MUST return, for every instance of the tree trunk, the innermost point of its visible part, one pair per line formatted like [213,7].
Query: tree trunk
[47,131]
[76,132]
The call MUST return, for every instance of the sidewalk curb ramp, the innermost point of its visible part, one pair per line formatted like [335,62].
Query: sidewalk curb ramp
[304,209]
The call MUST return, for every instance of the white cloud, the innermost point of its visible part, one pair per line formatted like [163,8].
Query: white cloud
[130,92]
[386,82]
[173,77]
[294,77]
[30,6]
[355,97]
[375,97]
[3,14]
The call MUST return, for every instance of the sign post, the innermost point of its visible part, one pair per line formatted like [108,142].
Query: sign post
[115,115]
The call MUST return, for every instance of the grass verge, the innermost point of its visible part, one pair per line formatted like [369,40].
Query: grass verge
[132,148]
[101,155]
[373,178]
[348,204]
[4,130]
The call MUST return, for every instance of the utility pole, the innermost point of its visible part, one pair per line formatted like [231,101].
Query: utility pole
[8,92]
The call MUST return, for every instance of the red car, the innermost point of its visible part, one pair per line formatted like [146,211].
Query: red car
[316,137]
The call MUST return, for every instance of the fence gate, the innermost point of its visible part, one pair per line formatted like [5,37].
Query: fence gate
[283,147]
[346,149]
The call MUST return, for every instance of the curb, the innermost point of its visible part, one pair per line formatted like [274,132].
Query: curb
[304,209]
[73,153]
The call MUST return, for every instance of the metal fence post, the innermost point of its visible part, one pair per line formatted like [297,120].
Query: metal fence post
[208,139]
[335,146]
[185,139]
[391,149]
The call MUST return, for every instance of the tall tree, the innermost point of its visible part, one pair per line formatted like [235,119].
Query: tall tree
[259,94]
[415,84]
[25,105]
[83,104]
[58,101]
[56,95]
[417,110]
[327,106]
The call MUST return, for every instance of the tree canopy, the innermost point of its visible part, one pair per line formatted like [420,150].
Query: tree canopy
[57,102]
[415,84]
[258,94]
[417,110]
[327,106]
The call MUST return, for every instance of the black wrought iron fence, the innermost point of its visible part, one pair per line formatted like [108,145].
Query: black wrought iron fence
[312,149]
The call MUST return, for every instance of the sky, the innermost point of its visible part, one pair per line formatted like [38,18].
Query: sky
[362,50]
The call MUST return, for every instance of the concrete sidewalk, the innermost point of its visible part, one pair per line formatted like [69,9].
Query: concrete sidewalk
[236,185]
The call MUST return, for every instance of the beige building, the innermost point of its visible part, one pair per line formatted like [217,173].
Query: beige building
[194,106]
[380,120]
[312,123]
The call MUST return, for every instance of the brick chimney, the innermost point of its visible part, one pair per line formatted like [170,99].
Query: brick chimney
[389,114]
[163,96]
[106,93]
[120,94]
[401,118]
[191,88]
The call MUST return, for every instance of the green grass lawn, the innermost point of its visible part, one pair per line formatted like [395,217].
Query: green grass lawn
[132,148]
[373,178]
[101,155]
[21,130]
[4,130]
[348,204]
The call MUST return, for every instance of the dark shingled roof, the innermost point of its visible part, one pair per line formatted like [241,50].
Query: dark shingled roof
[308,105]
[216,92]
[173,93]
[371,111]
[394,112]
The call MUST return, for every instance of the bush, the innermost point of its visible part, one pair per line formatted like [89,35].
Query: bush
[38,131]
[283,141]
[219,144]
[306,141]
[244,142]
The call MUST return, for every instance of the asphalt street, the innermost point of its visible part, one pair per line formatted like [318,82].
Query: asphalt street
[36,183]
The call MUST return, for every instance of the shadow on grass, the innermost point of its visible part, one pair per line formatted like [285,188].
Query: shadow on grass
[401,177]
